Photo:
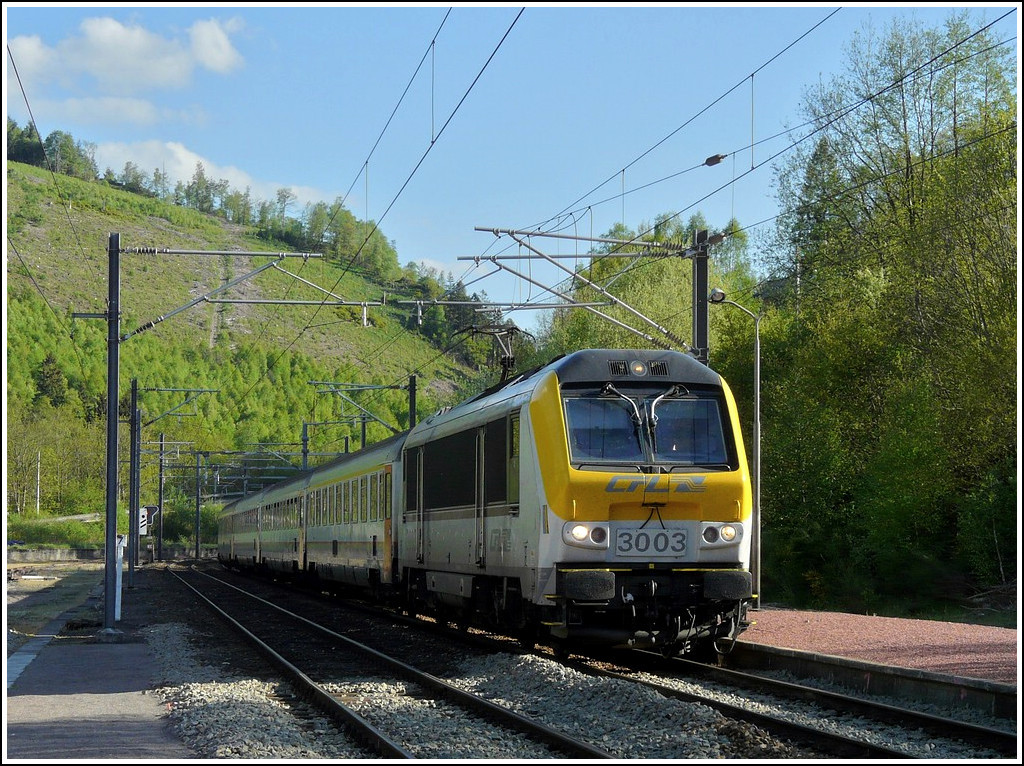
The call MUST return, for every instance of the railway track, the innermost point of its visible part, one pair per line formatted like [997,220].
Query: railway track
[831,722]
[962,697]
[817,721]
[819,724]
[365,690]
[817,717]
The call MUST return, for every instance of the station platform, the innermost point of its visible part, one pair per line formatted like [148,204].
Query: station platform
[69,701]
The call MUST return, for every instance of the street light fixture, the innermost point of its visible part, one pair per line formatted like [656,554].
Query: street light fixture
[718,296]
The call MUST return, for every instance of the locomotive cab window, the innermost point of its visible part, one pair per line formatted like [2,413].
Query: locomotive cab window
[666,426]
[689,431]
[602,430]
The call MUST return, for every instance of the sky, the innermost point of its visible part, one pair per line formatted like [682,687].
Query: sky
[436,120]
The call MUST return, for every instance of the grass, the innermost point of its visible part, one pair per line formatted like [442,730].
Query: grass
[43,592]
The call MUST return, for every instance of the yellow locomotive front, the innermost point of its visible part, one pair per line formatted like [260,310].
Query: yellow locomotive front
[647,502]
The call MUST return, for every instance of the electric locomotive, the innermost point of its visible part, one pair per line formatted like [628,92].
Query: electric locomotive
[601,499]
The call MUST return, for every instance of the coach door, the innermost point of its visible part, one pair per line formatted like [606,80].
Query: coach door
[384,551]
[413,513]
[304,512]
[480,505]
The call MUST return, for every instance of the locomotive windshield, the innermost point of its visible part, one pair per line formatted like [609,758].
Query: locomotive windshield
[603,429]
[664,427]
[688,431]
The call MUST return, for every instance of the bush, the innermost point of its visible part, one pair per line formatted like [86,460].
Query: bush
[56,534]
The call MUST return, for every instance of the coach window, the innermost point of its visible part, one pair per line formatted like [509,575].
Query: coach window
[386,494]
[363,500]
[374,512]
[346,506]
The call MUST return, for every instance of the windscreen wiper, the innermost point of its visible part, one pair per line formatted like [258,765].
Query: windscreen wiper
[674,390]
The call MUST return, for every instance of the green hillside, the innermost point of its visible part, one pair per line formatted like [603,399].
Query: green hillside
[255,362]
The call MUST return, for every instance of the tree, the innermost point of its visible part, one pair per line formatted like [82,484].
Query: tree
[50,381]
[134,179]
[70,157]
[199,192]
[24,145]
[161,186]
[285,197]
[238,207]
[898,245]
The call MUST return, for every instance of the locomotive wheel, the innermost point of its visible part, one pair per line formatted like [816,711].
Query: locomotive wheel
[561,650]
[527,637]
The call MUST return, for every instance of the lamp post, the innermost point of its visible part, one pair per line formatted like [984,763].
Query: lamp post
[718,296]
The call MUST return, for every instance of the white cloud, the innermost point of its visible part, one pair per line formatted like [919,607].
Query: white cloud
[442,268]
[212,48]
[126,59]
[101,111]
[34,61]
[179,163]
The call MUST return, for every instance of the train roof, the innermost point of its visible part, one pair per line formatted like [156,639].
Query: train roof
[587,366]
[633,365]
[389,448]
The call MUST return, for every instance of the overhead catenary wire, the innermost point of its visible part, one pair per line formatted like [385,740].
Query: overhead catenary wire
[394,199]
[829,119]
[746,227]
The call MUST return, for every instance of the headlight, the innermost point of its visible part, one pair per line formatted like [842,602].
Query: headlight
[585,535]
[715,533]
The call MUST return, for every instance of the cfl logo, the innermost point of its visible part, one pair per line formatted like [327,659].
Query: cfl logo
[656,484]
